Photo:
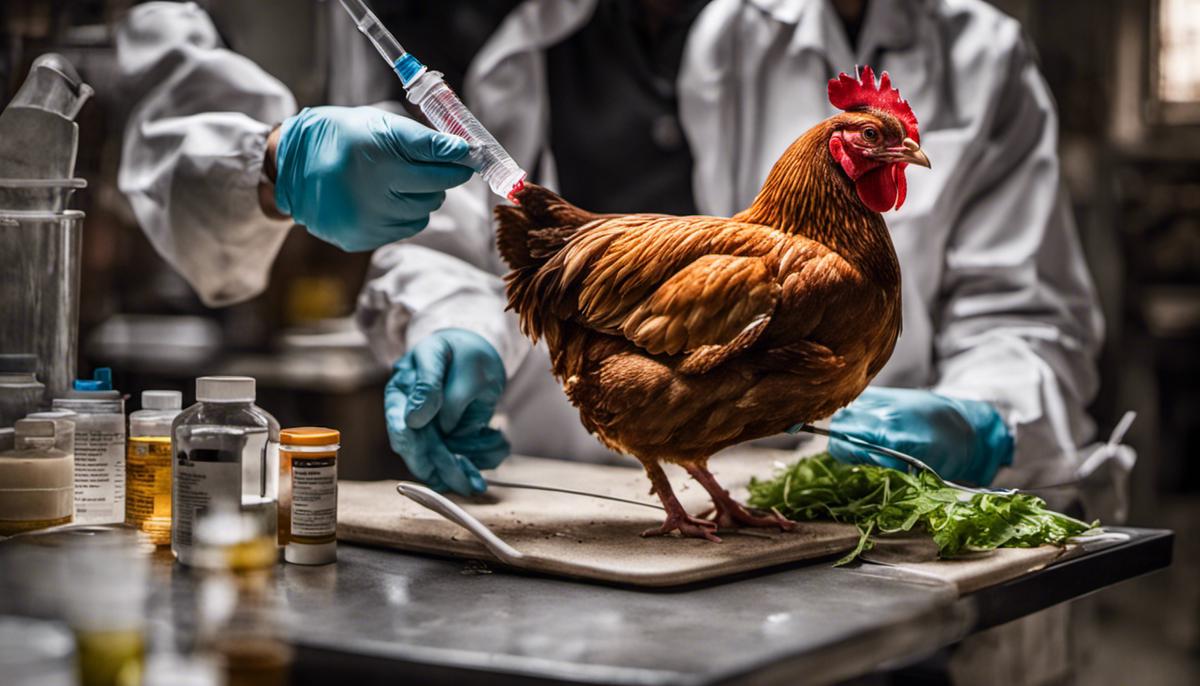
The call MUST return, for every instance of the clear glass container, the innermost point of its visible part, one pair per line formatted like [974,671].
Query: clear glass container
[226,453]
[39,288]
[20,391]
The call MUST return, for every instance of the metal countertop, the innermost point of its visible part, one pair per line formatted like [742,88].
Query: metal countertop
[380,615]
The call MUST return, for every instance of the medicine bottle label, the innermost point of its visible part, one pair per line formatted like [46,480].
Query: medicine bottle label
[314,499]
[198,483]
[148,486]
[99,474]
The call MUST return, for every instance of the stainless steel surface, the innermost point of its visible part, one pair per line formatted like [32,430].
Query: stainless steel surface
[378,616]
[823,623]
[39,291]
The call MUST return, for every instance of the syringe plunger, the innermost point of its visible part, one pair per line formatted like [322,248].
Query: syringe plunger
[445,111]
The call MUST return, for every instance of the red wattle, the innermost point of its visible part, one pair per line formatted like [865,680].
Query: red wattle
[901,183]
[877,189]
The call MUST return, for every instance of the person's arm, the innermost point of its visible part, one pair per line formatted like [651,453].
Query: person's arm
[213,183]
[448,276]
[1019,325]
[435,308]
[192,158]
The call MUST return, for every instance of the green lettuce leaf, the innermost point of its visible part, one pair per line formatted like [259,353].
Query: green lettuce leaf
[885,501]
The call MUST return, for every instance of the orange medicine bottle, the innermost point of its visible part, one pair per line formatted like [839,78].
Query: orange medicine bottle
[308,457]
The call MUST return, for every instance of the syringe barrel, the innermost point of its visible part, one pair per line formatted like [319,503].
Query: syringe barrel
[449,115]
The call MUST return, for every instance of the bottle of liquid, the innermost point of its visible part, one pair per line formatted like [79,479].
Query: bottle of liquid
[226,453]
[20,391]
[148,465]
[36,487]
[99,449]
[309,459]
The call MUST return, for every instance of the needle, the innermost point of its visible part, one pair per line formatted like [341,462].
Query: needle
[903,457]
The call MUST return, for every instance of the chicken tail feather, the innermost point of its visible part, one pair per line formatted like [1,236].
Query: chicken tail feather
[528,236]
[531,233]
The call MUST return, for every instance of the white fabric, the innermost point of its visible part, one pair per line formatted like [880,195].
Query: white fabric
[193,149]
[997,300]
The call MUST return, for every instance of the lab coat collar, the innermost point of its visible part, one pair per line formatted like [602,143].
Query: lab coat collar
[533,25]
[889,25]
[498,86]
[537,24]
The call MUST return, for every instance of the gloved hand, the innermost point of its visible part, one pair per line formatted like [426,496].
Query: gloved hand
[964,440]
[360,177]
[438,405]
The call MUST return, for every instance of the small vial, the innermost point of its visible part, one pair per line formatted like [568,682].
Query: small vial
[148,465]
[309,457]
[226,454]
[36,480]
[99,449]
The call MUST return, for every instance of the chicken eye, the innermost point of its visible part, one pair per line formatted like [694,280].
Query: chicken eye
[870,134]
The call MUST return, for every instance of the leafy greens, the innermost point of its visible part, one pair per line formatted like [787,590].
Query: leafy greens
[884,501]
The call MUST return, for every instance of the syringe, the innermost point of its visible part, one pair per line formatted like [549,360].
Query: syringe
[445,111]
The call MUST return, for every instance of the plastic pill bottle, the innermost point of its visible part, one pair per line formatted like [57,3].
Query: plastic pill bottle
[99,449]
[308,456]
[148,465]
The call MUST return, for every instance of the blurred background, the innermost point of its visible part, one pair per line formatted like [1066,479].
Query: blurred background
[1126,75]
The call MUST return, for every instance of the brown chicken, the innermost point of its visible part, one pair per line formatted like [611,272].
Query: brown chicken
[679,336]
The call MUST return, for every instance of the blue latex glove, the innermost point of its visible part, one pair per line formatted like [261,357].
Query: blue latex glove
[359,177]
[964,440]
[438,406]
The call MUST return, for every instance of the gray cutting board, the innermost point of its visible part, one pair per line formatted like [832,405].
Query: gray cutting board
[599,539]
[555,528]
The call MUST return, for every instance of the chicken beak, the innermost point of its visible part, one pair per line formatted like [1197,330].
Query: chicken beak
[913,154]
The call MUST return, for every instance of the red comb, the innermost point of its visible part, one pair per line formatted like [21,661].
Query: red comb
[846,93]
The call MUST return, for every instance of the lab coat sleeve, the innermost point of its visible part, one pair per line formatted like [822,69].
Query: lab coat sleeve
[448,276]
[193,149]
[1019,324]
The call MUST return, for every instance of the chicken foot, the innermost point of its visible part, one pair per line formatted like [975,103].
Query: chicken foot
[729,513]
[677,518]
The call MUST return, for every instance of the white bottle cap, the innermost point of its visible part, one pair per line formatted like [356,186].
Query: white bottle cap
[164,400]
[53,414]
[225,389]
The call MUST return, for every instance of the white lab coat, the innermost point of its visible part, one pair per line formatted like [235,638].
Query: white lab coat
[998,304]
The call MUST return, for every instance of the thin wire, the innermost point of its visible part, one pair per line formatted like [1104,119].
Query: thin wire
[903,457]
[554,489]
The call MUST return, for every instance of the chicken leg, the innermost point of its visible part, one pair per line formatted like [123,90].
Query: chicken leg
[729,513]
[677,518]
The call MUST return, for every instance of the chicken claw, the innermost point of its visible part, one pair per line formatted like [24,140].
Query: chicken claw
[729,513]
[687,525]
[677,518]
